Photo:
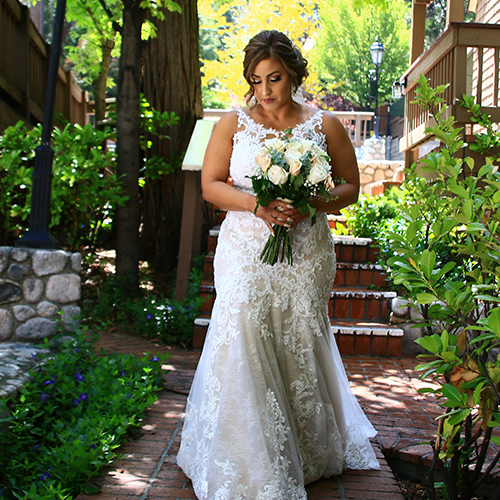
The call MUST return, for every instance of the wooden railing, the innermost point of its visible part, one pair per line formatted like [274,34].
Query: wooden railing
[466,57]
[356,123]
[24,61]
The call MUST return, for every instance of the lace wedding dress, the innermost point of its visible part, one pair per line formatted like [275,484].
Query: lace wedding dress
[270,408]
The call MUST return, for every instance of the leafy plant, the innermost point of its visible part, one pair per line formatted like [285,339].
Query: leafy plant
[149,314]
[71,417]
[458,208]
[85,189]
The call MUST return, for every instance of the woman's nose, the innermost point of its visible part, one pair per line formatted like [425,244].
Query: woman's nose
[266,88]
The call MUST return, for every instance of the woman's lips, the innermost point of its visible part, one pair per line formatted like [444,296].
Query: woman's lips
[268,101]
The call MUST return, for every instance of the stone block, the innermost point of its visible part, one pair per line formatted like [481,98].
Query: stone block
[36,329]
[76,262]
[46,309]
[410,347]
[71,317]
[32,289]
[19,254]
[23,313]
[9,292]
[17,272]
[4,258]
[6,324]
[399,307]
[63,288]
[46,262]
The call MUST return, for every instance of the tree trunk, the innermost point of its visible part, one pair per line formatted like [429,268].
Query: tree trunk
[128,149]
[101,81]
[172,82]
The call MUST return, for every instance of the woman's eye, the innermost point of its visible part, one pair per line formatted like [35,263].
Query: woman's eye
[255,83]
[276,79]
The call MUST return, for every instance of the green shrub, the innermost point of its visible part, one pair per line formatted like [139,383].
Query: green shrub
[456,213]
[153,315]
[70,418]
[85,189]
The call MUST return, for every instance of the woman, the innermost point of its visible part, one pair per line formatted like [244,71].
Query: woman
[270,408]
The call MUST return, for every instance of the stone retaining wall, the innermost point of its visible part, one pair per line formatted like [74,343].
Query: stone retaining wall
[371,171]
[36,288]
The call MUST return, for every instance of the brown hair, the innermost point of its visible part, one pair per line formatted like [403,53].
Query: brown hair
[276,45]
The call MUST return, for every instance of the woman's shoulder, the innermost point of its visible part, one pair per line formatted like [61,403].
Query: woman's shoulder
[331,124]
[228,122]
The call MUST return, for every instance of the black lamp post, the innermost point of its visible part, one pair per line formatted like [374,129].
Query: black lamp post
[376,51]
[38,235]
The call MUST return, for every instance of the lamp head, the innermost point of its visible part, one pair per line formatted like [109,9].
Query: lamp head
[376,51]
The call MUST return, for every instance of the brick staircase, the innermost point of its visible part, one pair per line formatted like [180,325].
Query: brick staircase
[358,309]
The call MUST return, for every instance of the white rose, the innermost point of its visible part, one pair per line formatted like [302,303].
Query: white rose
[263,159]
[307,145]
[321,161]
[277,175]
[295,167]
[317,174]
[277,144]
[292,158]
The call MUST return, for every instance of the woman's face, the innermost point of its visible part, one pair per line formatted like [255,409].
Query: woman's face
[271,84]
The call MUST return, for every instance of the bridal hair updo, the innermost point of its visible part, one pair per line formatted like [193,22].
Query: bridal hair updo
[275,45]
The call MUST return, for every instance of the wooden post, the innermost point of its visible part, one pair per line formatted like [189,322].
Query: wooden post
[455,11]
[417,29]
[189,246]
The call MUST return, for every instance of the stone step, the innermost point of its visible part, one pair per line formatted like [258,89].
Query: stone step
[363,338]
[359,304]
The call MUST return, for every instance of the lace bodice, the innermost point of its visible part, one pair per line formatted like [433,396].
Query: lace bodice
[249,137]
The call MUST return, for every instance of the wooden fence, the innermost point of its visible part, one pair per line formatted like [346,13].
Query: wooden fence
[24,63]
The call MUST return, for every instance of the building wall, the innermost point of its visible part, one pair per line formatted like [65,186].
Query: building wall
[488,11]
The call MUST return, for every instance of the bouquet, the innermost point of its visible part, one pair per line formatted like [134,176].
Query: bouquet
[292,170]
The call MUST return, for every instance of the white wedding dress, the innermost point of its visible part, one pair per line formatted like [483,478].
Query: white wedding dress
[270,408]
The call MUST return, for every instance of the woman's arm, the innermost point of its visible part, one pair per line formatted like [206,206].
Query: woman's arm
[215,173]
[345,173]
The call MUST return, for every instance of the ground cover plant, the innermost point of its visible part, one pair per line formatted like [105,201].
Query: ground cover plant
[71,417]
[150,311]
[448,259]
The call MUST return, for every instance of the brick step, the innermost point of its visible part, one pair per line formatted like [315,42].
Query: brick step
[364,338]
[349,274]
[359,304]
[345,304]
[353,274]
[347,248]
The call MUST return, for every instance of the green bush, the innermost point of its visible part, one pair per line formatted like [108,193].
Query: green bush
[149,314]
[448,258]
[70,418]
[85,189]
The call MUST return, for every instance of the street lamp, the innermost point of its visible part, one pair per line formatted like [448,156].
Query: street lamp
[376,51]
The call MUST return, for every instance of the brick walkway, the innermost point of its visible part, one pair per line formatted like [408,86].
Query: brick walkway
[385,387]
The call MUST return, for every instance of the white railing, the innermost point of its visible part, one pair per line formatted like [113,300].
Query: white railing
[356,123]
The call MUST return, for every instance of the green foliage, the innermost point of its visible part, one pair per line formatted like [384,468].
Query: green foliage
[85,189]
[71,417]
[458,208]
[149,314]
[342,56]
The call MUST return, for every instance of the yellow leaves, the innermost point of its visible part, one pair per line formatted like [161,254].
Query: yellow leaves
[249,17]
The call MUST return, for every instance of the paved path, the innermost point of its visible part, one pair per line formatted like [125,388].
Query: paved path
[385,387]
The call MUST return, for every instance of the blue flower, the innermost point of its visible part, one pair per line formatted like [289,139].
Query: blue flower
[79,377]
[170,308]
[44,476]
[84,396]
[50,382]
[36,448]
[1,492]
[155,359]
[33,355]
[44,396]
[76,401]
[92,446]
[149,316]
[77,351]
[123,373]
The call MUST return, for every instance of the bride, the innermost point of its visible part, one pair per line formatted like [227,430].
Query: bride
[270,408]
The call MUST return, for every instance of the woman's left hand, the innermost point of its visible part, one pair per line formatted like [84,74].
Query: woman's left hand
[293,216]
